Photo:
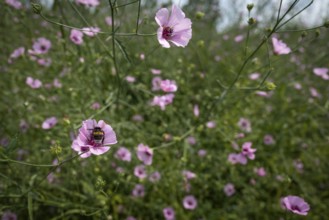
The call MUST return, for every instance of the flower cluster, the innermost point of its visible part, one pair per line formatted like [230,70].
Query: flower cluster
[246,153]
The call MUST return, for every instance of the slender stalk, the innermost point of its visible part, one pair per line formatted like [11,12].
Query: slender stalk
[138,14]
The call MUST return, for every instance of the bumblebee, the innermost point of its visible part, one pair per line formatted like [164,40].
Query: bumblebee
[98,135]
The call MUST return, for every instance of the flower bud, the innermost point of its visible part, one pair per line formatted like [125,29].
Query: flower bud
[36,8]
[250,6]
[270,85]
[200,43]
[56,149]
[199,15]
[251,21]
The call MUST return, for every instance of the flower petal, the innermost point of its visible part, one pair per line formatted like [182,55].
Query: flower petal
[99,150]
[162,16]
[176,16]
[182,38]
[184,24]
[110,136]
[161,40]
[85,155]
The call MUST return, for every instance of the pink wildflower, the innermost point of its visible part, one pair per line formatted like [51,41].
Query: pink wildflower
[229,189]
[44,62]
[163,101]
[88,3]
[76,37]
[196,111]
[169,213]
[238,38]
[16,53]
[94,138]
[156,83]
[90,31]
[260,171]
[33,83]
[279,47]
[174,28]
[190,202]
[322,72]
[154,177]
[155,71]
[41,46]
[188,175]
[254,76]
[244,125]
[145,154]
[211,124]
[140,172]
[168,85]
[14,3]
[295,204]
[191,140]
[202,153]
[49,123]
[8,215]
[268,139]
[248,151]
[123,154]
[95,106]
[138,191]
[130,79]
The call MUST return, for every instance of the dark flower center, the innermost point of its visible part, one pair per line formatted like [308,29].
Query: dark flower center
[43,47]
[295,207]
[167,32]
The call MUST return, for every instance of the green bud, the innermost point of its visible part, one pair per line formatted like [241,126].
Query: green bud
[250,6]
[251,21]
[326,24]
[66,121]
[200,128]
[36,8]
[56,149]
[270,85]
[200,43]
[304,34]
[199,15]
[176,139]
[100,183]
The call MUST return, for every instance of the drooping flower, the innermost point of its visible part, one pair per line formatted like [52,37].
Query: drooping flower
[140,172]
[229,189]
[49,123]
[248,151]
[174,28]
[145,154]
[76,37]
[138,191]
[280,47]
[295,204]
[190,202]
[94,138]
[41,46]
[123,154]
[168,85]
[169,213]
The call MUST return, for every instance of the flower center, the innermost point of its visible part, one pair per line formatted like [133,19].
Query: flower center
[167,32]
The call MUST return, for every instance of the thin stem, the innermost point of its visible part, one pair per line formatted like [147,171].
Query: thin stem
[278,17]
[138,14]
[308,29]
[130,3]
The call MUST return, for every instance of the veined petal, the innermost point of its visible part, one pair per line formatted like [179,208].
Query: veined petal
[85,155]
[162,16]
[99,150]
[184,24]
[182,38]
[176,16]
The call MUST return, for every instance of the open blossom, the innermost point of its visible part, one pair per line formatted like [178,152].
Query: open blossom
[145,154]
[76,37]
[268,139]
[168,85]
[123,154]
[295,204]
[154,177]
[169,213]
[33,83]
[190,202]
[229,189]
[93,138]
[174,28]
[138,191]
[244,125]
[279,47]
[140,172]
[49,123]
[163,101]
[322,72]
[41,46]
[248,151]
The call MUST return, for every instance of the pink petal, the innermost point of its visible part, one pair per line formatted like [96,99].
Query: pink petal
[176,16]
[162,16]
[161,40]
[85,155]
[99,150]
[185,24]
[181,39]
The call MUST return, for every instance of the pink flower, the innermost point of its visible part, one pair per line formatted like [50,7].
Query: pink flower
[156,83]
[95,106]
[130,79]
[196,111]
[49,123]
[76,37]
[138,118]
[229,189]
[169,213]
[211,124]
[44,62]
[33,83]
[234,158]
[254,76]
[322,72]
[248,151]
[190,202]
[123,154]
[298,86]
[145,154]
[14,3]
[280,47]
[88,3]
[191,140]
[168,85]
[260,171]
[41,46]
[8,215]
[90,31]
[188,175]
[154,177]
[314,92]
[16,53]
[202,153]
[93,138]
[140,172]
[244,125]
[155,71]
[174,28]
[295,204]
[268,139]
[238,38]
[163,101]
[138,191]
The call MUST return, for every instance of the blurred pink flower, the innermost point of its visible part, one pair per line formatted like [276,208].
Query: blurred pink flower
[90,141]
[299,166]
[298,86]
[248,151]
[155,71]
[260,171]
[238,38]
[140,171]
[49,123]
[156,83]
[168,85]
[8,215]
[142,56]
[279,47]
[14,3]
[23,126]
[95,106]
[138,118]
[88,3]
[322,72]
[131,218]
[211,124]
[314,92]
[76,37]
[16,53]
[196,111]
[254,76]
[145,154]
[138,191]
[188,175]
[268,139]
[191,140]
[90,31]
[234,158]
[44,62]
[190,202]
[33,83]
[154,177]
[163,101]
[169,213]
[123,154]
[41,46]
[174,28]
[229,189]
[130,79]
[295,204]
[202,153]
[244,125]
